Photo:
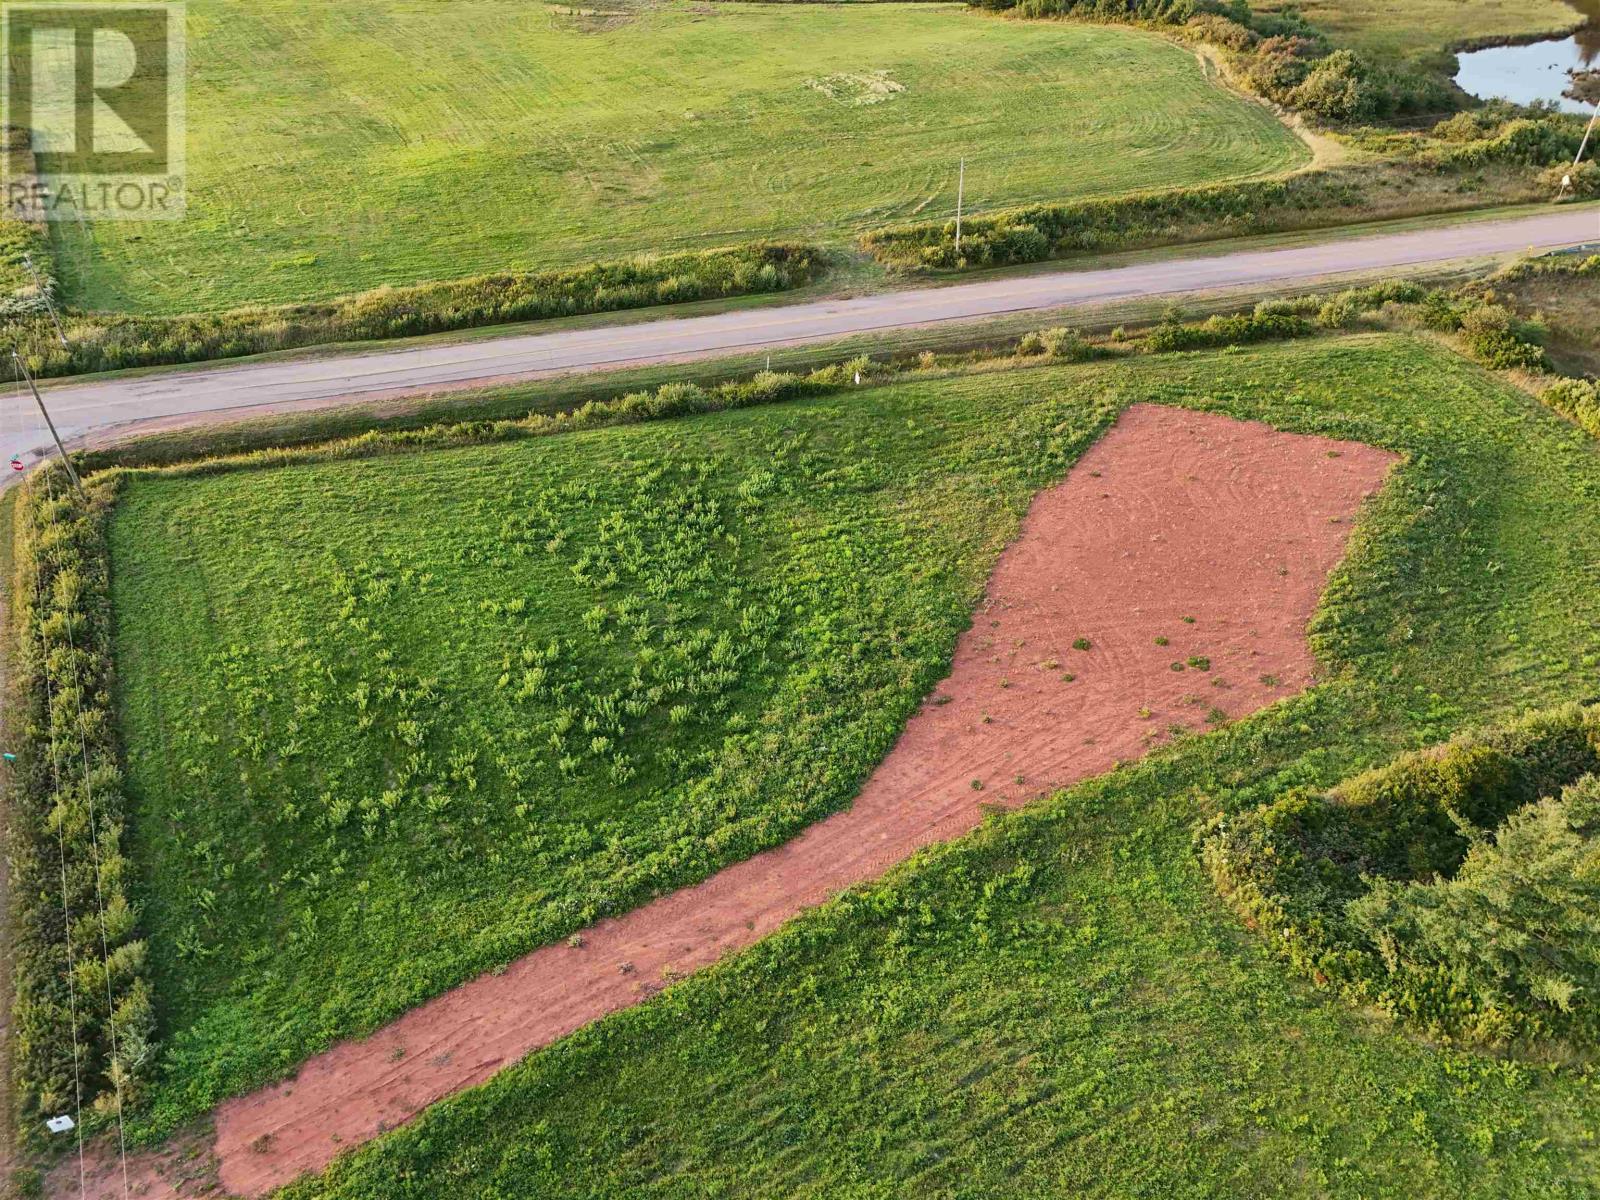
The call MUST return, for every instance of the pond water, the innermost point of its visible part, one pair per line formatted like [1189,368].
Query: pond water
[1535,72]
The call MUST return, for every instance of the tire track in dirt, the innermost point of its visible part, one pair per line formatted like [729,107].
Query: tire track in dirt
[1214,534]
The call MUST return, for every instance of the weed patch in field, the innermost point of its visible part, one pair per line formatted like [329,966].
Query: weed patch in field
[510,689]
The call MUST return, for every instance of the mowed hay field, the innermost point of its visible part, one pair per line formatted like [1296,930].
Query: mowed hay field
[360,774]
[1425,28]
[345,144]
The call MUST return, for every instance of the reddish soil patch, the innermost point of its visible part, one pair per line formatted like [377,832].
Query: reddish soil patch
[1181,539]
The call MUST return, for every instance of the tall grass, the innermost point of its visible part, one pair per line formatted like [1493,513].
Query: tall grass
[80,971]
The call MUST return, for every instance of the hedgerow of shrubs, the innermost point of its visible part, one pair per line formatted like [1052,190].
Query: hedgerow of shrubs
[1041,231]
[1497,134]
[668,401]
[104,342]
[1454,888]
[1342,310]
[1236,329]
[771,387]
[69,874]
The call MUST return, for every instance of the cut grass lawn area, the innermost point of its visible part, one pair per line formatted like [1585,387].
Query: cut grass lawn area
[346,144]
[342,807]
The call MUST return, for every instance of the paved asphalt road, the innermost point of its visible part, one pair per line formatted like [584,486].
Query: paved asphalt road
[95,406]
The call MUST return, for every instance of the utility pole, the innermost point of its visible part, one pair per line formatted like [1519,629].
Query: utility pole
[961,188]
[22,371]
[1566,180]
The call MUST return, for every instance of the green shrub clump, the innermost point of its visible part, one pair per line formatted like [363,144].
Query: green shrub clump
[1576,399]
[79,964]
[1343,310]
[1067,345]
[1234,330]
[1492,333]
[1376,887]
[1516,931]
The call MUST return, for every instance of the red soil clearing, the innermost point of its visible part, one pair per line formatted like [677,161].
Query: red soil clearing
[1214,534]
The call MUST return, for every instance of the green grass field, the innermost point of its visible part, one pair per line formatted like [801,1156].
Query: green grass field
[346,144]
[391,723]
[341,806]
[1062,1006]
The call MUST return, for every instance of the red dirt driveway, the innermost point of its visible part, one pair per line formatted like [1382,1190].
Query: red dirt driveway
[1166,582]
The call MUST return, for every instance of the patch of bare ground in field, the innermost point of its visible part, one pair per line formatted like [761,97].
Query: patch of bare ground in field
[1165,585]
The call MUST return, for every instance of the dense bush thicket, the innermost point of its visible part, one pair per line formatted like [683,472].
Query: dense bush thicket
[1501,133]
[1455,888]
[1342,310]
[104,342]
[77,953]
[1236,329]
[1554,264]
[1060,343]
[1518,925]
[1492,333]
[1576,399]
[1582,180]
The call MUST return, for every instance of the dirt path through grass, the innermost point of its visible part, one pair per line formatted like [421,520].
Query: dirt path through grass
[1165,584]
